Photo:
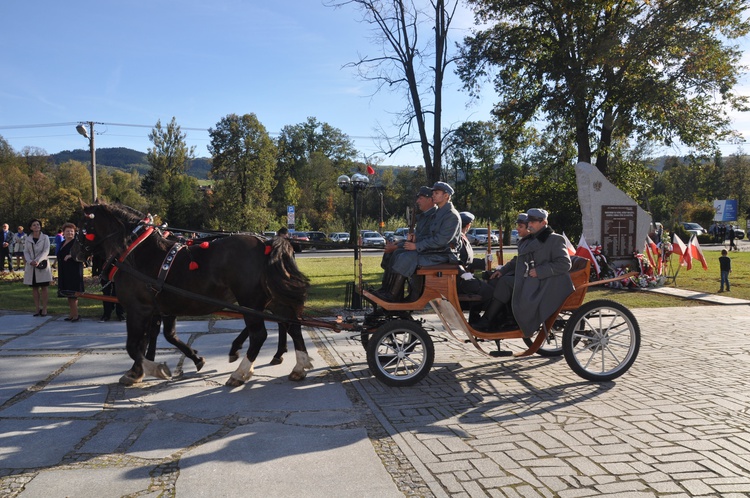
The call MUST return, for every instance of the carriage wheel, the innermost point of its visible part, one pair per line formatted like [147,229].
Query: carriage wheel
[553,343]
[400,353]
[601,340]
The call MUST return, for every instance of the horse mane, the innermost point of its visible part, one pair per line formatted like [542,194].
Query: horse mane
[285,282]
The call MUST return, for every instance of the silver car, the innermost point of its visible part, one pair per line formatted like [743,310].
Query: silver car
[372,239]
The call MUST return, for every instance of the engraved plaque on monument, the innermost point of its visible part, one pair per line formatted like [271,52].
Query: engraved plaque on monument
[618,230]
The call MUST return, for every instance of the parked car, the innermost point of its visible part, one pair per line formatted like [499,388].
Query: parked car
[340,237]
[388,236]
[372,239]
[514,237]
[739,233]
[400,234]
[320,237]
[478,237]
[693,228]
[301,236]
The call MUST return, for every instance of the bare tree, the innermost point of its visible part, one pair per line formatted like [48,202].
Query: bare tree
[410,64]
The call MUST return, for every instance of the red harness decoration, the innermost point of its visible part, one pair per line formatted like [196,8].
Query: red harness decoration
[131,247]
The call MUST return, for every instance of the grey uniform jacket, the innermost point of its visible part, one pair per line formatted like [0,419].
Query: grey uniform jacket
[535,299]
[439,243]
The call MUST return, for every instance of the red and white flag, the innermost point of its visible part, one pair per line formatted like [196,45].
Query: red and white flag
[654,254]
[679,247]
[584,251]
[569,246]
[696,252]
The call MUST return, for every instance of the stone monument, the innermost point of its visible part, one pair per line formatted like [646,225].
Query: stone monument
[609,216]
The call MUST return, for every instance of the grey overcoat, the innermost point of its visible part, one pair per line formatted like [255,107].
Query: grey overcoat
[535,299]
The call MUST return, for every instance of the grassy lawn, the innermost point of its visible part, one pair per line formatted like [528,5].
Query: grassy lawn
[330,275]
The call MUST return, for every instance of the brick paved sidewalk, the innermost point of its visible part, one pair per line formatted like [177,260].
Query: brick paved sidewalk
[674,425]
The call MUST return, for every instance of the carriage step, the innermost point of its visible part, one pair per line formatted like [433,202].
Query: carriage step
[498,354]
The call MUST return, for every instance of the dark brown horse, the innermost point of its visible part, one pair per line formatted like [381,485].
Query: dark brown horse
[156,278]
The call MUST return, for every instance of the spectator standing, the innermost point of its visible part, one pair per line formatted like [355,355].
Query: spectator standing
[69,272]
[732,235]
[725,266]
[5,248]
[37,273]
[19,244]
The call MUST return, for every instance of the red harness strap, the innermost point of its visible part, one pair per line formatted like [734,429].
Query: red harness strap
[131,248]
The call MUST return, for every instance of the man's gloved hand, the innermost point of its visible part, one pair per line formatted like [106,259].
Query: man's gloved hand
[467,276]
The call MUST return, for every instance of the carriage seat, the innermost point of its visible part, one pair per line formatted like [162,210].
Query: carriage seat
[439,268]
[577,263]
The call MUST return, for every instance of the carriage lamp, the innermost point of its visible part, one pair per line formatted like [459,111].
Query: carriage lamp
[353,185]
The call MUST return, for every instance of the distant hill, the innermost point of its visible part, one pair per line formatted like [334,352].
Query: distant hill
[127,160]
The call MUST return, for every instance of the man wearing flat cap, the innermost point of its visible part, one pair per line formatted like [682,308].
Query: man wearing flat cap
[427,209]
[541,282]
[437,241]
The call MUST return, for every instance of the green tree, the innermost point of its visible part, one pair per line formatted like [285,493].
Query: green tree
[610,69]
[170,191]
[244,160]
[297,145]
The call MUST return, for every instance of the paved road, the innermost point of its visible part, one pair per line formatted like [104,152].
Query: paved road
[674,425]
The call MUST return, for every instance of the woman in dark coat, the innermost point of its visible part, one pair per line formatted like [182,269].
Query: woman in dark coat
[69,272]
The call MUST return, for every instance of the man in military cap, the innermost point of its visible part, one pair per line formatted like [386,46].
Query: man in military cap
[436,242]
[427,211]
[541,280]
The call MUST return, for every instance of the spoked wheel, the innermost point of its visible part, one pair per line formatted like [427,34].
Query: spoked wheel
[400,353]
[601,340]
[553,343]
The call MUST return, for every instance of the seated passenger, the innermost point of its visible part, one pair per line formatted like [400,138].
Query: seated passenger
[506,272]
[466,283]
[541,282]
[437,241]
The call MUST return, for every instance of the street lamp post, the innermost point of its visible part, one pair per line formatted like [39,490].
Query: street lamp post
[353,185]
[90,136]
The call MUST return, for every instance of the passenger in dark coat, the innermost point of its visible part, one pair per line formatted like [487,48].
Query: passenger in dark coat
[542,279]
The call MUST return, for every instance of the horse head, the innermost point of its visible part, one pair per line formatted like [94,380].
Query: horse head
[105,230]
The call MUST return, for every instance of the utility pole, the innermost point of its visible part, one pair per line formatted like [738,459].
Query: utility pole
[90,135]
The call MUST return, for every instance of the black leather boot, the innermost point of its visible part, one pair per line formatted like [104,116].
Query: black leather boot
[387,281]
[485,323]
[396,292]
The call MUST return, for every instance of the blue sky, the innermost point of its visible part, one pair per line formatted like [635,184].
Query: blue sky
[137,61]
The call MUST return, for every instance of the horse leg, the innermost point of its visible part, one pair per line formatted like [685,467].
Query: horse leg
[282,348]
[258,334]
[170,334]
[139,335]
[153,336]
[234,351]
[303,359]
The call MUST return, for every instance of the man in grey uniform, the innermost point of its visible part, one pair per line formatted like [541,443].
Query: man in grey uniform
[542,280]
[436,242]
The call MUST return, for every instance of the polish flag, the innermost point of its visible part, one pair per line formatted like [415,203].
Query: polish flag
[679,247]
[655,253]
[585,252]
[569,246]
[696,252]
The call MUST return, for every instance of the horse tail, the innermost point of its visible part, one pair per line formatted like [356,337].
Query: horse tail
[285,283]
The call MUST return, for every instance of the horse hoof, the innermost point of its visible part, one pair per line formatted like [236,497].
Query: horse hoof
[163,371]
[277,360]
[234,356]
[127,380]
[232,382]
[296,376]
[199,364]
